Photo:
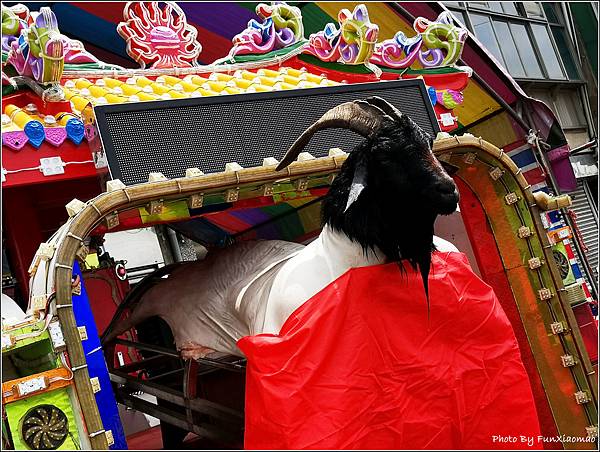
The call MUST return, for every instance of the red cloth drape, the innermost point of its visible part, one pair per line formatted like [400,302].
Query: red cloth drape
[361,366]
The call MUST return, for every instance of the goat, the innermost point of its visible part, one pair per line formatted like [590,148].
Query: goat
[380,208]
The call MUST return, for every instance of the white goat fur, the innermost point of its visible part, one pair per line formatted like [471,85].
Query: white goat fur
[211,304]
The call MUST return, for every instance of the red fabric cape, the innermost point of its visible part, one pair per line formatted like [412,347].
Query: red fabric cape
[360,366]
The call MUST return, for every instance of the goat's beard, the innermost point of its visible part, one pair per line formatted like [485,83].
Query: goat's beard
[401,233]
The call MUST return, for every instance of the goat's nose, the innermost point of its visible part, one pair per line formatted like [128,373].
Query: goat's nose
[444,196]
[445,187]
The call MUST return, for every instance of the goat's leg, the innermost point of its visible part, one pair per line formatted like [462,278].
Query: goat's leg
[192,350]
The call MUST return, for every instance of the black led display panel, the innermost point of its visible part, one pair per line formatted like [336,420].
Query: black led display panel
[208,132]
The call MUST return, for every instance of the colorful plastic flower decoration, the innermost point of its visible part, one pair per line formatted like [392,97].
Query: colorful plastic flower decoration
[161,38]
[11,27]
[398,52]
[450,98]
[38,51]
[75,53]
[281,27]
[352,43]
[437,43]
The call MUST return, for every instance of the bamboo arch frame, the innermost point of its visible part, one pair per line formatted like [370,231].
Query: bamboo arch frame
[96,210]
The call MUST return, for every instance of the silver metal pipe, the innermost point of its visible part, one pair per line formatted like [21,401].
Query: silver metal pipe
[174,244]
[51,93]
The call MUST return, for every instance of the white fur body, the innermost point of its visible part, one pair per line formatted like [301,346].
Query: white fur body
[249,289]
[320,263]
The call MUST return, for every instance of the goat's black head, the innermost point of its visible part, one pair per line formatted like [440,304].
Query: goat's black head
[391,187]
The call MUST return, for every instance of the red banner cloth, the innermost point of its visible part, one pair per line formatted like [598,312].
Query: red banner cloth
[360,366]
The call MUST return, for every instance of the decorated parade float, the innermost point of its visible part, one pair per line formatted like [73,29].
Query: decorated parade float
[199,149]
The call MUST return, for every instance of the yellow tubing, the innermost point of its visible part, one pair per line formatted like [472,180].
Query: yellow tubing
[195,79]
[206,92]
[112,82]
[63,117]
[143,81]
[114,99]
[268,81]
[233,90]
[215,86]
[291,80]
[130,90]
[268,73]
[258,88]
[283,86]
[78,101]
[174,81]
[145,96]
[220,77]
[240,83]
[18,116]
[292,72]
[82,83]
[8,125]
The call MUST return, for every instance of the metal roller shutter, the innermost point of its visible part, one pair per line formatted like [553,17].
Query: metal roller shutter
[587,223]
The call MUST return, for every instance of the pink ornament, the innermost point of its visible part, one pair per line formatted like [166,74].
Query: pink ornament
[159,37]
[352,43]
[281,27]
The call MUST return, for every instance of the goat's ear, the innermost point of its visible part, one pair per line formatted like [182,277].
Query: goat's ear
[359,182]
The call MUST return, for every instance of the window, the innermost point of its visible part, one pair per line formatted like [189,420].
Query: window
[509,49]
[461,17]
[547,51]
[498,7]
[551,13]
[525,48]
[501,40]
[565,104]
[569,109]
[528,38]
[510,8]
[533,9]
[482,27]
[565,54]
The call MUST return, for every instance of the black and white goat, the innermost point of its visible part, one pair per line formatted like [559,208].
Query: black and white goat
[380,208]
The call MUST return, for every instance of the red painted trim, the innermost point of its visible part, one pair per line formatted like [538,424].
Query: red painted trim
[492,272]
[31,214]
[29,157]
[457,80]
[346,77]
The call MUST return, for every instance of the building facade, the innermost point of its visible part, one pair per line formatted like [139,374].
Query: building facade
[551,50]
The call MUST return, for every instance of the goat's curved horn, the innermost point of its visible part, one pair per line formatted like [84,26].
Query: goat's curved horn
[359,116]
[384,105]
